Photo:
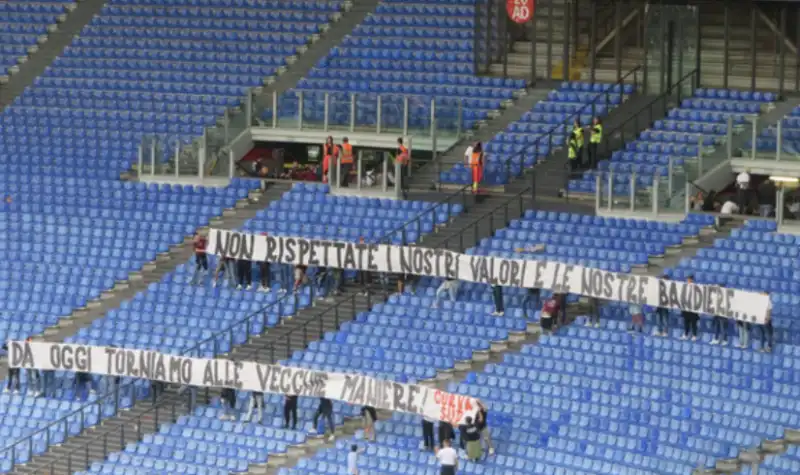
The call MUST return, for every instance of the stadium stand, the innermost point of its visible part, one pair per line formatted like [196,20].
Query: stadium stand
[525,142]
[767,141]
[174,315]
[703,116]
[403,340]
[139,68]
[23,24]
[434,44]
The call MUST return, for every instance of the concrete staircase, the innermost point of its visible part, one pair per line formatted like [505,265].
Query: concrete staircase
[428,174]
[711,21]
[40,56]
[153,271]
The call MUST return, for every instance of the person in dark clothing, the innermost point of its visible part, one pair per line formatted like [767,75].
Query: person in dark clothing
[594,312]
[325,409]
[690,320]
[12,381]
[562,310]
[497,297]
[428,441]
[481,420]
[156,389]
[200,258]
[710,200]
[228,398]
[446,432]
[530,304]
[662,322]
[83,381]
[767,333]
[472,444]
[264,270]
[244,269]
[290,411]
[766,198]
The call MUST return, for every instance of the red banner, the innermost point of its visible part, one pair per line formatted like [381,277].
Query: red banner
[519,11]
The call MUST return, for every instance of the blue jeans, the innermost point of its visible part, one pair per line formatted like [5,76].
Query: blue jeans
[744,333]
[720,325]
[531,302]
[662,320]
[767,335]
[442,291]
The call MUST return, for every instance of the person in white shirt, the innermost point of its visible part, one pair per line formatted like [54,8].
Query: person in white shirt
[352,460]
[449,287]
[448,459]
[468,155]
[729,208]
[743,189]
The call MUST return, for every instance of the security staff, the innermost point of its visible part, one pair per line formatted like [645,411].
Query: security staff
[476,164]
[578,132]
[403,158]
[572,153]
[595,138]
[347,162]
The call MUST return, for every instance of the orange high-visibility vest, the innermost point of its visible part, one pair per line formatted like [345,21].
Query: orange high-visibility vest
[402,155]
[347,154]
[476,159]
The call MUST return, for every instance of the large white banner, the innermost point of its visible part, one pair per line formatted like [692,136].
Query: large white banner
[558,277]
[355,389]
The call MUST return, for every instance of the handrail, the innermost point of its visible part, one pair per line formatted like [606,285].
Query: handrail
[102,400]
[606,145]
[590,107]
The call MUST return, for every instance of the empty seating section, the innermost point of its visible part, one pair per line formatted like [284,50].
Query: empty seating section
[309,211]
[174,315]
[22,23]
[66,240]
[202,444]
[703,117]
[614,244]
[168,68]
[524,142]
[767,141]
[422,50]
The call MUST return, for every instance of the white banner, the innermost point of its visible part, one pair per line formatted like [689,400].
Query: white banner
[354,389]
[558,277]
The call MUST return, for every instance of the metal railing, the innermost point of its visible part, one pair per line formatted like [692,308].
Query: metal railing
[668,182]
[76,421]
[780,142]
[372,113]
[514,166]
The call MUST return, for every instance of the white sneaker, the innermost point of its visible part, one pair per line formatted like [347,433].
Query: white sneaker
[597,324]
[214,284]
[491,451]
[589,323]
[249,287]
[694,338]
[238,287]
[262,289]
[5,390]
[714,341]
[684,337]
[330,438]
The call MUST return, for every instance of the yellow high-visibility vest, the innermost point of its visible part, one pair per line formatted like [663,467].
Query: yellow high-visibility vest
[597,133]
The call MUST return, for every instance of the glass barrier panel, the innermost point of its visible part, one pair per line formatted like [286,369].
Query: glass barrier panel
[237,122]
[419,115]
[392,114]
[366,110]
[289,109]
[189,158]
[601,191]
[312,104]
[216,152]
[449,115]
[339,111]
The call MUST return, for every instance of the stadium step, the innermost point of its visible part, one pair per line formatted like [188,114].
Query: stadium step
[50,46]
[429,173]
[154,270]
